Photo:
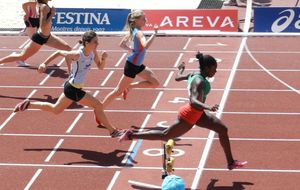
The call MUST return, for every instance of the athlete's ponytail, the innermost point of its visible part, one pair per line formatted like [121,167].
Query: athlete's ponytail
[87,37]
[205,60]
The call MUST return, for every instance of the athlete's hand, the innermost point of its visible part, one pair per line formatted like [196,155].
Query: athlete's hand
[214,108]
[53,11]
[155,27]
[181,66]
[25,18]
[42,68]
[104,55]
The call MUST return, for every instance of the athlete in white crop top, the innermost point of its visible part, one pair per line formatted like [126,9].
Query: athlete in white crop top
[80,62]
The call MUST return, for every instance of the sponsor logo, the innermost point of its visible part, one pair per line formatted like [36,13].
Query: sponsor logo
[82,18]
[285,20]
[221,20]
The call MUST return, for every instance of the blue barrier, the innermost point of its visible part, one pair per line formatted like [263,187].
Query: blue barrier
[278,19]
[81,19]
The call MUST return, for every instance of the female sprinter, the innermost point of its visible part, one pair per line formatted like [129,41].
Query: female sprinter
[41,37]
[80,61]
[134,64]
[32,22]
[196,112]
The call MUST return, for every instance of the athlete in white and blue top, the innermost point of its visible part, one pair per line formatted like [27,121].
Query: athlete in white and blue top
[80,62]
[134,62]
[80,68]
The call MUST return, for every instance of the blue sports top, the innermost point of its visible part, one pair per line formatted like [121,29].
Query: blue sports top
[138,52]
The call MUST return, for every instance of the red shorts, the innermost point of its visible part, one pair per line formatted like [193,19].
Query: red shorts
[189,114]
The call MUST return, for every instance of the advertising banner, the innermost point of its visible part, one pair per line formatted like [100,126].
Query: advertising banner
[78,19]
[278,19]
[212,19]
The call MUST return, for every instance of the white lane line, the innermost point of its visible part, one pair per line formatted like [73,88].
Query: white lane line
[7,120]
[24,44]
[151,89]
[113,181]
[187,43]
[121,60]
[211,134]
[157,100]
[125,160]
[181,138]
[107,78]
[54,150]
[253,170]
[269,73]
[13,114]
[74,122]
[174,69]
[165,111]
[142,168]
[37,173]
[178,60]
[179,51]
[168,79]
[46,78]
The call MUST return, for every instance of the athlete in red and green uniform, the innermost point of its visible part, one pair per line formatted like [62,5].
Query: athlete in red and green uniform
[196,112]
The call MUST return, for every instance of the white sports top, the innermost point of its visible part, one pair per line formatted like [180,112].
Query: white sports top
[80,68]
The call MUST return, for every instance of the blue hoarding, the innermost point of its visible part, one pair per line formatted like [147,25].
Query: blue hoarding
[81,19]
[278,19]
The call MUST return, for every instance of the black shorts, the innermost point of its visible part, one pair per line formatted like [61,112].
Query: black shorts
[32,22]
[39,38]
[131,70]
[75,94]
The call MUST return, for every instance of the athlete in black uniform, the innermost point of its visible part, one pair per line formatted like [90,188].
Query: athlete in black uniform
[41,37]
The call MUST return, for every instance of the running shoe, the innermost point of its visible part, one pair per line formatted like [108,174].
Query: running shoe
[117,133]
[22,105]
[126,135]
[22,64]
[237,164]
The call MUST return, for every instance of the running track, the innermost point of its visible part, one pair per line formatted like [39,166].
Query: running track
[259,98]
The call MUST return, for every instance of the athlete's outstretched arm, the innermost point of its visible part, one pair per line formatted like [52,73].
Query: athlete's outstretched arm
[179,75]
[70,55]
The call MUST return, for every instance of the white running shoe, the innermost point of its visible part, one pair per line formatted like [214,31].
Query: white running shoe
[22,64]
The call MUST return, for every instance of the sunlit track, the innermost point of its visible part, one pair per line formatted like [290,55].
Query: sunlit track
[73,142]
